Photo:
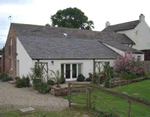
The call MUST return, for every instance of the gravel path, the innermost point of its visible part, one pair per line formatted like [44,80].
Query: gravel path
[25,97]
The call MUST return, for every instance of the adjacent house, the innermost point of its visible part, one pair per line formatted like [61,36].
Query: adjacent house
[138,31]
[71,51]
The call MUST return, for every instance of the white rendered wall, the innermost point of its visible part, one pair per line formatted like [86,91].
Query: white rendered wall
[123,53]
[87,65]
[25,61]
[140,35]
[136,56]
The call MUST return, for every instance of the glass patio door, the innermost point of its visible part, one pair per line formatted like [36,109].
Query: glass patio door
[70,71]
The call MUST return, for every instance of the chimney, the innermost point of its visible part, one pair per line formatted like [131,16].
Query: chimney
[107,24]
[142,17]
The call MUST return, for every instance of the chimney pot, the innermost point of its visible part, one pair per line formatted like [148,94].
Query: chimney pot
[107,24]
[142,17]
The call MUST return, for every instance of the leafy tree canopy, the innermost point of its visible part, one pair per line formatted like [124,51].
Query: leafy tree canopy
[71,18]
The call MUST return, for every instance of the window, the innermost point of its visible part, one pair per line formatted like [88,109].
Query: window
[138,58]
[71,70]
[11,64]
[11,47]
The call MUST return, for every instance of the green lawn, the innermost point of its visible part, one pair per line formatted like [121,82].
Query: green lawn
[141,88]
[13,112]
[118,104]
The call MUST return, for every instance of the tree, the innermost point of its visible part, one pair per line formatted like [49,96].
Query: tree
[71,18]
[128,64]
[48,25]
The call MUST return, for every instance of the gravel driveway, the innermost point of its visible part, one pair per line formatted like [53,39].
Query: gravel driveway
[25,97]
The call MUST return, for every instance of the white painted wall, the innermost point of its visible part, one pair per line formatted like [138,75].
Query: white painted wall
[140,35]
[87,65]
[123,53]
[136,56]
[25,61]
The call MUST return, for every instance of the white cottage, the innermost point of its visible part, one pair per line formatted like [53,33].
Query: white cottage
[71,51]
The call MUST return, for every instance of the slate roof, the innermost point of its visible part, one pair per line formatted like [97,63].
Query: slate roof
[122,47]
[122,26]
[39,47]
[54,32]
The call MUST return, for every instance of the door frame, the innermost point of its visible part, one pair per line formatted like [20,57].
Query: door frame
[71,77]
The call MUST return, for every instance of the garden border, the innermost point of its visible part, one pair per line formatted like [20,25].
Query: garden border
[126,82]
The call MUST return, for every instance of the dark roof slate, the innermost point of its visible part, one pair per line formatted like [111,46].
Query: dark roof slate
[39,47]
[54,32]
[122,47]
[122,26]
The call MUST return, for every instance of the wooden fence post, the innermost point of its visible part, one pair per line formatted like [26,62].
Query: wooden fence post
[69,94]
[89,99]
[129,108]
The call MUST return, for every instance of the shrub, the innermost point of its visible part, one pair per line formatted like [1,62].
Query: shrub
[107,83]
[90,76]
[6,78]
[3,75]
[80,78]
[36,83]
[133,75]
[57,77]
[63,80]
[128,76]
[24,82]
[50,82]
[88,79]
[43,88]
[127,63]
[146,74]
[96,79]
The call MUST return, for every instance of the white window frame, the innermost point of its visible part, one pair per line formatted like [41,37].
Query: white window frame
[71,78]
[138,58]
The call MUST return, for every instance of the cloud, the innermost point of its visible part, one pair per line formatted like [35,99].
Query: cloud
[15,2]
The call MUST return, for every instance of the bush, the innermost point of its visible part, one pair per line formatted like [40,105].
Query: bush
[146,74]
[3,75]
[88,79]
[36,83]
[127,63]
[133,75]
[44,88]
[80,78]
[107,83]
[96,78]
[24,82]
[128,76]
[6,78]
[50,82]
[63,80]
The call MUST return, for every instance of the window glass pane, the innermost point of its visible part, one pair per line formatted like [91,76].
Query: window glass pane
[62,69]
[74,70]
[79,69]
[67,71]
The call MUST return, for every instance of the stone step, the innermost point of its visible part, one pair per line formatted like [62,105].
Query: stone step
[11,82]
[27,110]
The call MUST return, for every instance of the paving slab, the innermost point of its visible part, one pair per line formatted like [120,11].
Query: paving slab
[27,110]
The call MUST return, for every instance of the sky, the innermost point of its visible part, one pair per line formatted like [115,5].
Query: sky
[99,11]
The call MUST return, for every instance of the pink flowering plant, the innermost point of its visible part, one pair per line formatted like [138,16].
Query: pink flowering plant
[128,64]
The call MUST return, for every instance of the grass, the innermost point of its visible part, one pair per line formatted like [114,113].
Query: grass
[13,112]
[120,105]
[141,88]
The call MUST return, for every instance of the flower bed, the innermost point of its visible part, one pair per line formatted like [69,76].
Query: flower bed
[125,82]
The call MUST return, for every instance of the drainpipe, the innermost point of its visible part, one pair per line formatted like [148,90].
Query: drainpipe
[93,65]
